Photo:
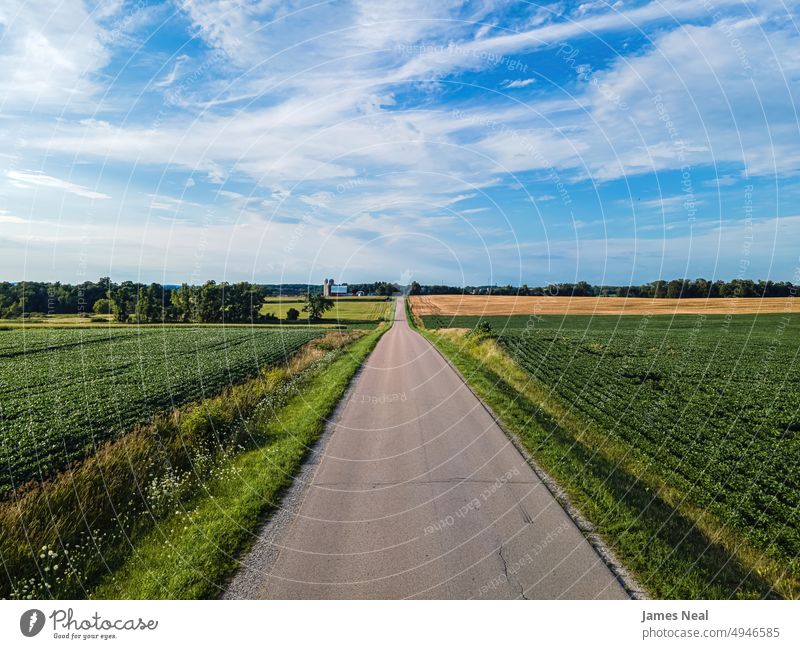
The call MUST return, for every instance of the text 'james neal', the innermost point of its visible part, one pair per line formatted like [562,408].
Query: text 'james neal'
[647,616]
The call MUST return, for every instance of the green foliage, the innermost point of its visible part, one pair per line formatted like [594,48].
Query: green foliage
[708,400]
[481,329]
[375,288]
[316,305]
[135,302]
[67,391]
[292,314]
[676,288]
[102,306]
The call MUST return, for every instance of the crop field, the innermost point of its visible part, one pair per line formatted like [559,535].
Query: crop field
[347,310]
[63,392]
[711,402]
[445,307]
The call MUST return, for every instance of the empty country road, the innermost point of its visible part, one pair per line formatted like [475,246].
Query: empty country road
[417,493]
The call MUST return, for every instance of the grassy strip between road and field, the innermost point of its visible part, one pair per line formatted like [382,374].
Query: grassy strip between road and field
[190,553]
[673,549]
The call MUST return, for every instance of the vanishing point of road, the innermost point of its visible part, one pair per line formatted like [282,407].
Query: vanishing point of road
[415,492]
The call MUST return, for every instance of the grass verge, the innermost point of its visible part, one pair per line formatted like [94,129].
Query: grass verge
[674,550]
[191,552]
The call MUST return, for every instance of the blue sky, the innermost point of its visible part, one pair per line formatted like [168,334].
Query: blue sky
[464,142]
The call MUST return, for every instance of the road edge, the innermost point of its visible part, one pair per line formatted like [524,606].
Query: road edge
[248,581]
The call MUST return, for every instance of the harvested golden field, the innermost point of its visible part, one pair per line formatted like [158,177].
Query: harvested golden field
[486,305]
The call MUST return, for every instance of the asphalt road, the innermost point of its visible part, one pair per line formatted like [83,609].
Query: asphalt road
[417,492]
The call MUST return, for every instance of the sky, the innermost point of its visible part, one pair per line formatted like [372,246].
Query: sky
[468,143]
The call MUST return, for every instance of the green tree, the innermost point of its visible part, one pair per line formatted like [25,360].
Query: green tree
[122,298]
[316,304]
[292,314]
[209,302]
[183,303]
[675,288]
[102,306]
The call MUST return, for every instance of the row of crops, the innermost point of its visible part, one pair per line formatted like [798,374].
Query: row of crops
[64,392]
[713,403]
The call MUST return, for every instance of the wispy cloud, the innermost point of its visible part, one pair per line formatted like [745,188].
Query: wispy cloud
[173,74]
[5,217]
[26,180]
[373,120]
[667,203]
[518,83]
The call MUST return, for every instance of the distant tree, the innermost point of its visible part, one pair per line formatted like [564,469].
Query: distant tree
[102,306]
[209,302]
[415,288]
[582,289]
[316,304]
[239,303]
[659,288]
[700,288]
[292,314]
[182,303]
[675,288]
[744,288]
[123,300]
[149,303]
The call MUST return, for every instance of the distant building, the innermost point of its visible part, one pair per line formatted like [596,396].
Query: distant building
[329,289]
[360,293]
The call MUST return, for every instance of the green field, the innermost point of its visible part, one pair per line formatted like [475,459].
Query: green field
[65,391]
[360,311]
[705,409]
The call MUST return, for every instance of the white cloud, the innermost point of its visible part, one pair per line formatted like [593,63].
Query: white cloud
[5,217]
[325,127]
[722,181]
[29,180]
[173,74]
[306,99]
[720,110]
[668,203]
[48,54]
[518,83]
[474,53]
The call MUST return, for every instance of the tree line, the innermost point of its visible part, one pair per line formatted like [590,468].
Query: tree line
[676,288]
[145,303]
[243,301]
[375,288]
